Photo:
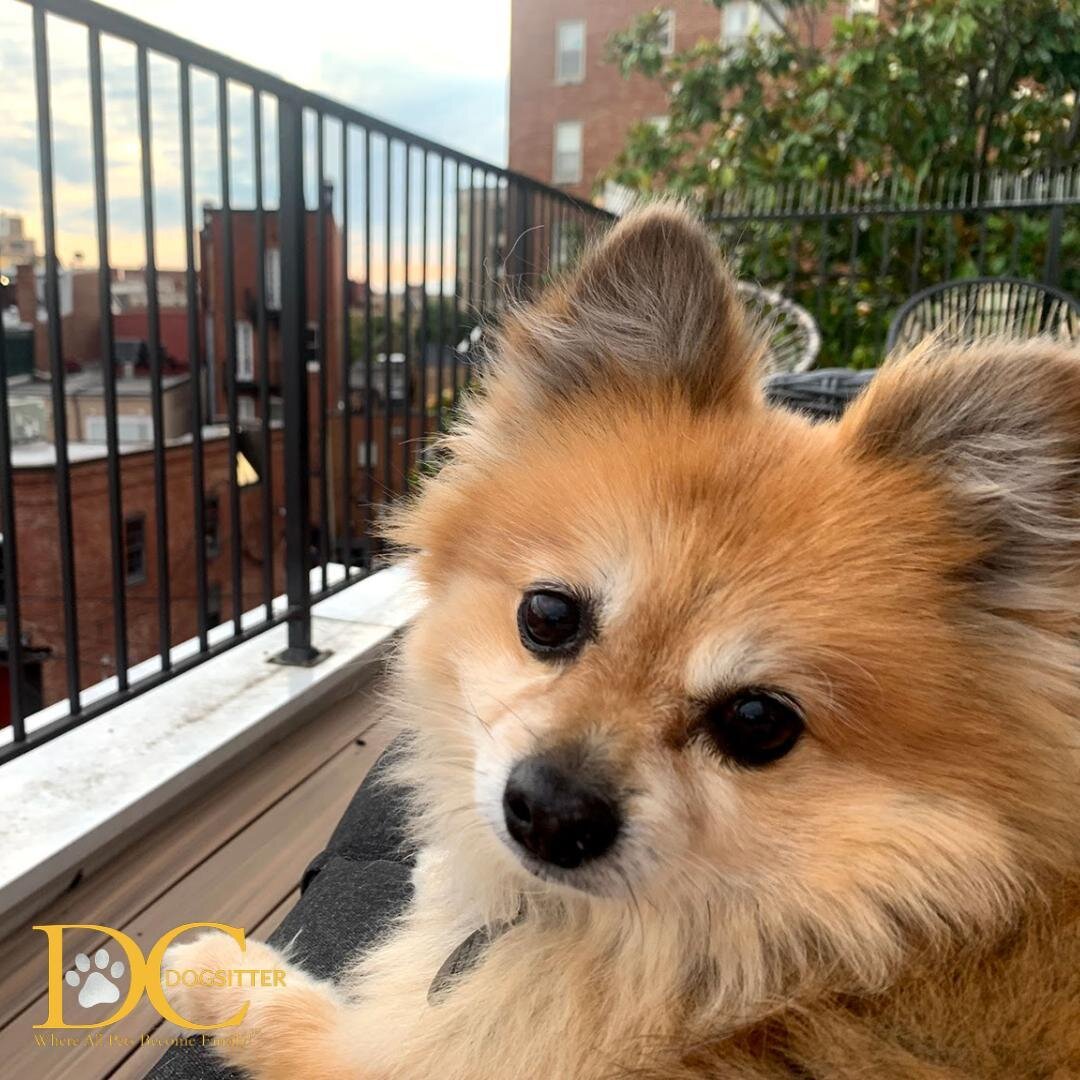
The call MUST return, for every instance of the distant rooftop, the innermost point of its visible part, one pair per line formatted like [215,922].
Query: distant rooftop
[41,454]
[90,383]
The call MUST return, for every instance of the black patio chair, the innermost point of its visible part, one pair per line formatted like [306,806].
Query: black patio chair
[972,309]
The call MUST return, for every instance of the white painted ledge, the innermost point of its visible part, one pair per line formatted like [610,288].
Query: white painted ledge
[63,802]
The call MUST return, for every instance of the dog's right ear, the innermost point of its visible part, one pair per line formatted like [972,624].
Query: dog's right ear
[651,304]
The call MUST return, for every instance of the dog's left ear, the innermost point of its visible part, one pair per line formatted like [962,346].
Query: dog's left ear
[651,304]
[999,429]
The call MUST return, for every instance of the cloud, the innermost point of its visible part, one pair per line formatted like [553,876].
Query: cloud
[434,68]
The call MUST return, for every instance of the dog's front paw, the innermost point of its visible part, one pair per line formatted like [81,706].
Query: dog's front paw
[210,981]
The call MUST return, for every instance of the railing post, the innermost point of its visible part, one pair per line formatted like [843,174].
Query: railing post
[294,386]
[520,264]
[1052,266]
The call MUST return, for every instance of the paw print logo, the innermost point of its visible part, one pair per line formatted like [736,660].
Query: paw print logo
[97,987]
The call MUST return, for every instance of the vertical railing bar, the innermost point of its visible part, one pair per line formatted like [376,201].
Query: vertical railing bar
[563,244]
[56,361]
[346,363]
[853,259]
[499,225]
[228,275]
[473,283]
[108,362]
[12,613]
[484,252]
[406,326]
[549,237]
[388,336]
[456,321]
[161,510]
[292,215]
[264,356]
[423,342]
[369,371]
[195,354]
[320,412]
[442,294]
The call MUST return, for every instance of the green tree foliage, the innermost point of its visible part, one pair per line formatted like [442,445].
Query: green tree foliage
[929,86]
[925,97]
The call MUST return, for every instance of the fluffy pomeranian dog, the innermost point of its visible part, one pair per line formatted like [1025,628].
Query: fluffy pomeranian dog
[740,746]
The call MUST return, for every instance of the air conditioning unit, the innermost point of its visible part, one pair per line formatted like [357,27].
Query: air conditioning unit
[129,429]
[29,421]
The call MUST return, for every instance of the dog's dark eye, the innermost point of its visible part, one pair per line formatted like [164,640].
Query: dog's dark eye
[550,623]
[754,727]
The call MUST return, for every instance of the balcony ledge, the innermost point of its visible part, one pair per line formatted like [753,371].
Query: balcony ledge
[64,803]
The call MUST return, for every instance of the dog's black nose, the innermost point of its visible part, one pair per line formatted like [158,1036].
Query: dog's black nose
[557,816]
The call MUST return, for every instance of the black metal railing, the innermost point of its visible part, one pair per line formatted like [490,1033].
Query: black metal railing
[851,253]
[329,300]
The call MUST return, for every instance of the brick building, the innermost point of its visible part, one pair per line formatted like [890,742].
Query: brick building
[80,316]
[570,109]
[247,346]
[41,595]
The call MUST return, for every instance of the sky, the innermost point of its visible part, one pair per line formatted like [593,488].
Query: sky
[437,68]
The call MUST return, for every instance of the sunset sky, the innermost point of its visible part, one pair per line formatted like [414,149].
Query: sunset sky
[435,68]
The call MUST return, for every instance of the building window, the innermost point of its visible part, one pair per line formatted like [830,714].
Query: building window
[667,32]
[744,19]
[213,605]
[570,52]
[568,141]
[245,351]
[135,549]
[362,455]
[212,526]
[311,346]
[245,408]
[273,279]
[862,7]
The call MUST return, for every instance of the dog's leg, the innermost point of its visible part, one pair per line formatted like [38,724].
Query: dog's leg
[294,1027]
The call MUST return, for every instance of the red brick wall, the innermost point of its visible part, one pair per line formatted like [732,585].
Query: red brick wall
[172,326]
[606,103]
[245,264]
[39,564]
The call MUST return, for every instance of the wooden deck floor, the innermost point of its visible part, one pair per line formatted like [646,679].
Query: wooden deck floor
[232,854]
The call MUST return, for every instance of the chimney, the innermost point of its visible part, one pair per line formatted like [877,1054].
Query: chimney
[26,293]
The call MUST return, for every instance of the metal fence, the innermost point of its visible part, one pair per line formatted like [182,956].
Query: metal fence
[331,284]
[851,253]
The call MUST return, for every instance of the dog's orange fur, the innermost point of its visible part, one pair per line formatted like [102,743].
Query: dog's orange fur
[897,897]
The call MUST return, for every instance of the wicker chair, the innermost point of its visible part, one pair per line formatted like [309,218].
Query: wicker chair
[972,309]
[793,336]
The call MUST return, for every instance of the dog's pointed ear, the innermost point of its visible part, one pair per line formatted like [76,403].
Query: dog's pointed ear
[999,429]
[651,303]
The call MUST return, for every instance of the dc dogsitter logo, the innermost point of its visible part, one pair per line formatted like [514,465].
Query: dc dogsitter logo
[97,978]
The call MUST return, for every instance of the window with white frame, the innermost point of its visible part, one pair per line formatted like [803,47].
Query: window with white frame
[245,351]
[135,549]
[862,7]
[570,51]
[273,279]
[667,31]
[568,144]
[743,19]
